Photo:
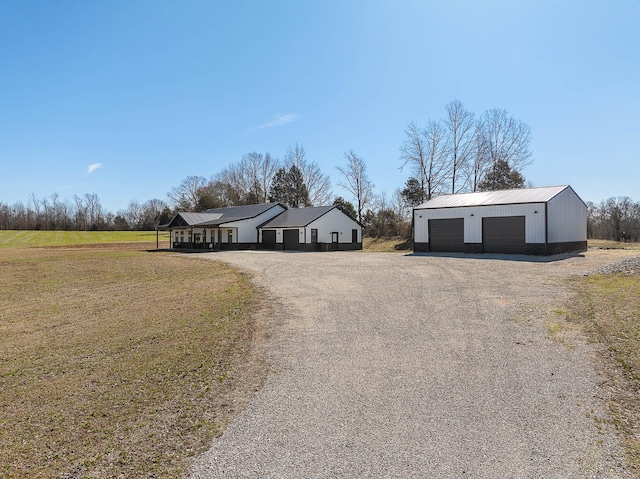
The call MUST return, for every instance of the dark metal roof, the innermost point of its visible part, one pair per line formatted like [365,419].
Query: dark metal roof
[500,197]
[237,213]
[218,216]
[297,217]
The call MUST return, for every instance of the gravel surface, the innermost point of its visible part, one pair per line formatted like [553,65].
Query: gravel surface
[626,266]
[439,366]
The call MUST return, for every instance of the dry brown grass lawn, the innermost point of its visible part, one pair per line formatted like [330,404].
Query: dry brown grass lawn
[119,363]
[387,245]
[608,308]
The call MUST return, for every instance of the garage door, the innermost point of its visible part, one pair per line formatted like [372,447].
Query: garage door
[447,235]
[268,239]
[290,239]
[503,235]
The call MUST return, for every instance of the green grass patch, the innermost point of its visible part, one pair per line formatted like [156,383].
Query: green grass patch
[26,239]
[119,363]
[608,308]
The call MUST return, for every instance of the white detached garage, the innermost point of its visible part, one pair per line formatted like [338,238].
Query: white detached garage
[541,221]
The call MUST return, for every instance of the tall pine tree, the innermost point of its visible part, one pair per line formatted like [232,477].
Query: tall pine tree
[288,188]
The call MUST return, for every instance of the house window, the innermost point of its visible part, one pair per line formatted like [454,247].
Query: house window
[314,235]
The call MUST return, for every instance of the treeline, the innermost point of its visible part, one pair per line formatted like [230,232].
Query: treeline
[257,178]
[616,219]
[84,213]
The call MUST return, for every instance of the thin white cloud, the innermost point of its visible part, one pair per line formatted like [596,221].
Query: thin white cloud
[279,119]
[93,167]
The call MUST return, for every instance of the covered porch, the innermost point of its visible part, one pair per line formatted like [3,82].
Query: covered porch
[202,238]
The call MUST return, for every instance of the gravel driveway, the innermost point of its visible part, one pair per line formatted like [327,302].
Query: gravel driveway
[437,366]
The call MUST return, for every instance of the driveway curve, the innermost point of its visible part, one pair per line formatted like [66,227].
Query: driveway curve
[438,366]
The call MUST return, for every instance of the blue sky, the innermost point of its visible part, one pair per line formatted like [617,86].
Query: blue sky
[127,98]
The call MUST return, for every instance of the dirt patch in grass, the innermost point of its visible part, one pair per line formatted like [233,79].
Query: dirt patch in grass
[607,307]
[121,363]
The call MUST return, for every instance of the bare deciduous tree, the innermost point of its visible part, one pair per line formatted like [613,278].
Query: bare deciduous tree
[318,184]
[472,149]
[426,151]
[461,128]
[480,161]
[412,152]
[437,167]
[399,205]
[185,197]
[506,139]
[259,171]
[357,181]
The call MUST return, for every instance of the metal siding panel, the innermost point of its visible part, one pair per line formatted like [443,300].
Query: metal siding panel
[567,218]
[420,227]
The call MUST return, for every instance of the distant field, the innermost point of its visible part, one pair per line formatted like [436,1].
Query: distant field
[22,239]
[116,362]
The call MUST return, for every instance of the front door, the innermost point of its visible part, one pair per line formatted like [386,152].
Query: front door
[334,241]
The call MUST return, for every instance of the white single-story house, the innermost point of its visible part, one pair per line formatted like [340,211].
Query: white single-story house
[540,221]
[235,227]
[266,226]
[321,228]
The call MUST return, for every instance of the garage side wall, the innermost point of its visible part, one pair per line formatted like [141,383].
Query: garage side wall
[534,214]
[334,220]
[568,219]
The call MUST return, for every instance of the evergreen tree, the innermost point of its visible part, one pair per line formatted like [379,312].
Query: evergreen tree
[413,193]
[346,207]
[288,188]
[501,177]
